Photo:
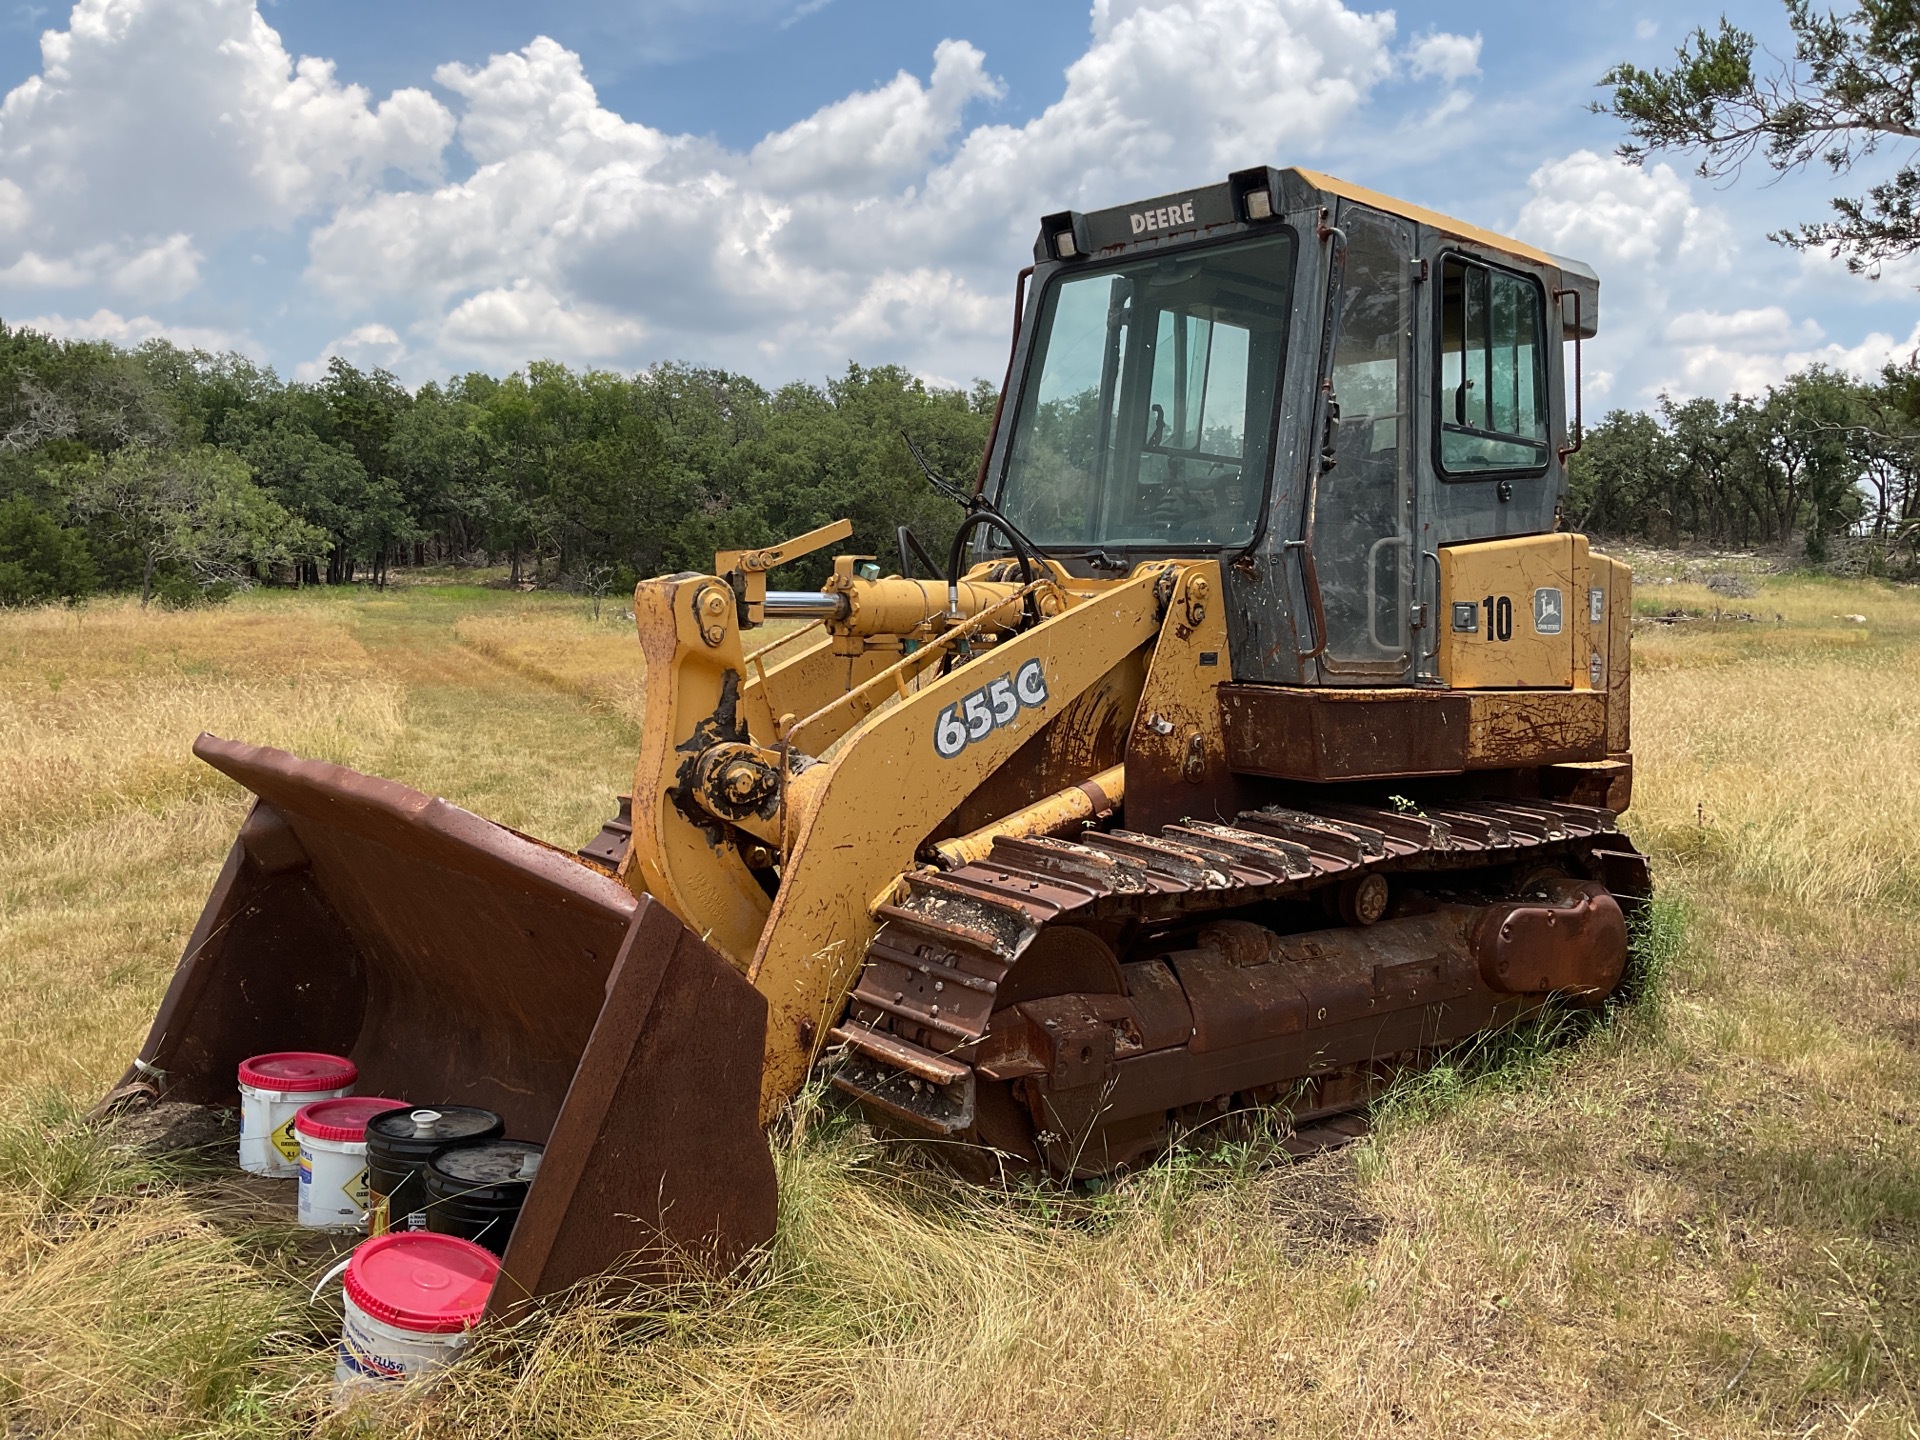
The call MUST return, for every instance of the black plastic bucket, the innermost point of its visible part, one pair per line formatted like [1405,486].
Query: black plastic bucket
[475,1191]
[399,1143]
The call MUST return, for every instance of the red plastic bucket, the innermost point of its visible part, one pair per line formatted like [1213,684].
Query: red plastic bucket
[272,1088]
[412,1298]
[333,1160]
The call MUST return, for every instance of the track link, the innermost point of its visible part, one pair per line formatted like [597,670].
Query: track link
[933,974]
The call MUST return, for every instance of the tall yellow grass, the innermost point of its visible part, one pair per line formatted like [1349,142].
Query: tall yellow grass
[599,662]
[1796,776]
[1703,1223]
[99,707]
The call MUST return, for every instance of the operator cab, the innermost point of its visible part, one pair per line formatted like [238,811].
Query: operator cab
[1323,387]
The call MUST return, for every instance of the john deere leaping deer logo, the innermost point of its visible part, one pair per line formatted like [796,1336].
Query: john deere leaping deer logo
[1546,611]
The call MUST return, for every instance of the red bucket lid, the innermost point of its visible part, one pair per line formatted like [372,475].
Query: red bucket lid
[342,1119]
[298,1070]
[419,1280]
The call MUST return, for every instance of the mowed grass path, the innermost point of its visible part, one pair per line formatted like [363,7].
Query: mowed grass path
[110,830]
[1704,1220]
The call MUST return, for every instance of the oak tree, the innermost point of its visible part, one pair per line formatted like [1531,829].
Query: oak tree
[1845,95]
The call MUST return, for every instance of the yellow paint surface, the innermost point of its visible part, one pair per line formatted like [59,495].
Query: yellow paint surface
[1527,613]
[1423,216]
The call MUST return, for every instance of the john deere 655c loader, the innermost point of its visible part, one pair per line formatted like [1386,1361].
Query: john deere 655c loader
[1263,731]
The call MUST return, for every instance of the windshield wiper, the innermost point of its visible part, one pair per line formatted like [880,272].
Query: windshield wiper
[946,487]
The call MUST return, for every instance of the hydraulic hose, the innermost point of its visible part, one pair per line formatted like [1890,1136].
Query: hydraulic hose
[1021,551]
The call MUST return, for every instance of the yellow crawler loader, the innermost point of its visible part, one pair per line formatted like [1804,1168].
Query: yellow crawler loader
[1262,733]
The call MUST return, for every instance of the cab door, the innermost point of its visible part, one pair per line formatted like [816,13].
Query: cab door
[1361,529]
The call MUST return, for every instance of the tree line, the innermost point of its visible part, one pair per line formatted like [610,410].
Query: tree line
[1819,453]
[1818,457]
[176,475]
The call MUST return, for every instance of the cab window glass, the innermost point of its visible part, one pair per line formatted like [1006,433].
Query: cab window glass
[1150,405]
[1493,393]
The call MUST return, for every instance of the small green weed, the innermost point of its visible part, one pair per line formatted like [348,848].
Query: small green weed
[1655,944]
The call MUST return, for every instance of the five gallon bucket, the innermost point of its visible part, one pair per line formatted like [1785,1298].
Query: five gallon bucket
[411,1299]
[272,1090]
[333,1160]
[399,1143]
[475,1191]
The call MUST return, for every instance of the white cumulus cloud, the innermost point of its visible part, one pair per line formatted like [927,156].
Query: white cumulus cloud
[132,330]
[165,270]
[507,324]
[1594,207]
[1446,57]
[883,217]
[1745,351]
[510,213]
[1671,315]
[879,135]
[162,270]
[46,272]
[153,123]
[371,346]
[1762,326]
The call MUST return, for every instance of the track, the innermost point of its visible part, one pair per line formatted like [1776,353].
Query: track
[933,1044]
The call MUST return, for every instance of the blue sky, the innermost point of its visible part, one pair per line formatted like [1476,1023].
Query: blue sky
[780,186]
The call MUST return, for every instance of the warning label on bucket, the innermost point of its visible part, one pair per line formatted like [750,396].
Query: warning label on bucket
[285,1141]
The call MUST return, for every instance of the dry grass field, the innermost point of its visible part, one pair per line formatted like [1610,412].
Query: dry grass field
[1703,1220]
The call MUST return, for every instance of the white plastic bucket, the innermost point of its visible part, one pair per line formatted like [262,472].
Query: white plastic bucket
[333,1160]
[411,1301]
[273,1088]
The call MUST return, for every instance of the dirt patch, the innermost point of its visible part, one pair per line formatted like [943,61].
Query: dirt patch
[174,1127]
[1689,617]
[1317,1199]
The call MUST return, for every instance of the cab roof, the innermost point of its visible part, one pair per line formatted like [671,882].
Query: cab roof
[1420,215]
[1210,211]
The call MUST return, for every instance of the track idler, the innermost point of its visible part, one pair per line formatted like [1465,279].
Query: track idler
[1087,1082]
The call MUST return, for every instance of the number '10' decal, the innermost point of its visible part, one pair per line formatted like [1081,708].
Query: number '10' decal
[1499,617]
[994,704]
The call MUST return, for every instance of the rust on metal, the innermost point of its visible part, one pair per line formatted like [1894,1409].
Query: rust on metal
[1288,733]
[1507,729]
[609,847]
[1570,938]
[1293,734]
[657,1165]
[456,961]
[1177,760]
[1079,1081]
[1607,783]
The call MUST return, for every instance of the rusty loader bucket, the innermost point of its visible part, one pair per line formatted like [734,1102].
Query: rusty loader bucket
[460,962]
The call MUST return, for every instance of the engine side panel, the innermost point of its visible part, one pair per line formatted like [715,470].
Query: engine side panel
[1508,614]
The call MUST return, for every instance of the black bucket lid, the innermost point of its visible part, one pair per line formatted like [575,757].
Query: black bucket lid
[483,1172]
[397,1134]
